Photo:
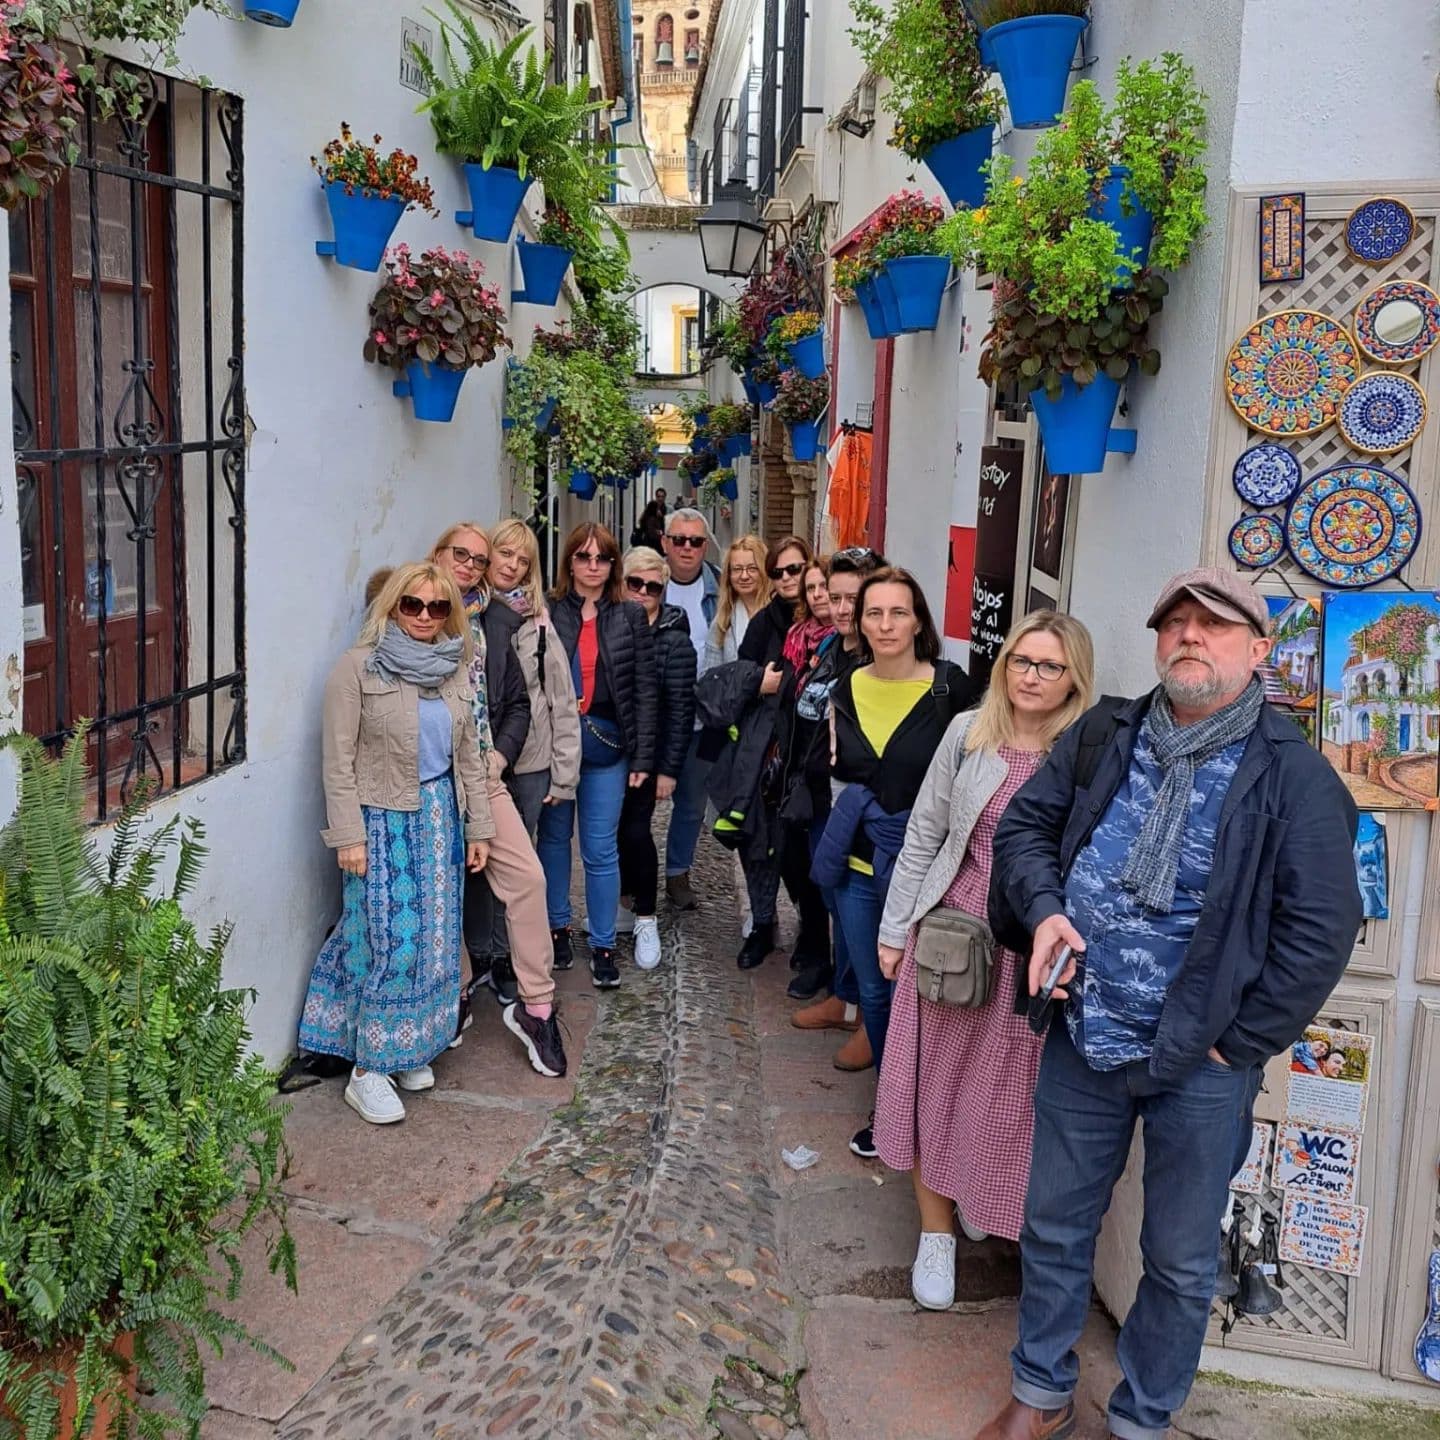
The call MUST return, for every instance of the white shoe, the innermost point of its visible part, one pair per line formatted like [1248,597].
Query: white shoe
[421,1078]
[970,1232]
[932,1276]
[647,942]
[624,920]
[372,1096]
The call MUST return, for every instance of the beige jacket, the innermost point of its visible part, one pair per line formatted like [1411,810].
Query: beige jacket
[554,740]
[371,748]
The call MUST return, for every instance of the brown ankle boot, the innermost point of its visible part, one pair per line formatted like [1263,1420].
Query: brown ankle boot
[1024,1422]
[827,1014]
[855,1053]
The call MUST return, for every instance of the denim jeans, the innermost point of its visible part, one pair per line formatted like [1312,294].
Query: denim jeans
[598,798]
[1197,1133]
[843,986]
[687,813]
[486,934]
[859,904]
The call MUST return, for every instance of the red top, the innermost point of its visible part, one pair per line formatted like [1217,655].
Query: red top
[589,651]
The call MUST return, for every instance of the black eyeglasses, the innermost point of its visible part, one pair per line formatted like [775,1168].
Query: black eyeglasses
[462,556]
[412,605]
[592,557]
[636,586]
[694,542]
[783,570]
[1045,669]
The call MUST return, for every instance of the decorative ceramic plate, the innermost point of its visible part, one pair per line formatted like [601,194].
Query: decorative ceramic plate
[1379,230]
[1266,474]
[1398,322]
[1257,540]
[1285,375]
[1382,412]
[1352,526]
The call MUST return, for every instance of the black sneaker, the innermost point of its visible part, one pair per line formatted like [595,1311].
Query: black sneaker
[862,1142]
[564,956]
[758,944]
[541,1039]
[604,974]
[502,980]
[810,981]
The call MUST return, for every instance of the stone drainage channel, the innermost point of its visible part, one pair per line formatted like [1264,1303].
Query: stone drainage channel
[622,1278]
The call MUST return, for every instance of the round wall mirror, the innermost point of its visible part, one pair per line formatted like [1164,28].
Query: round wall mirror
[1398,322]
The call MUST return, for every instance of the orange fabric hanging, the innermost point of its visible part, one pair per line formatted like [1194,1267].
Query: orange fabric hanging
[848,502]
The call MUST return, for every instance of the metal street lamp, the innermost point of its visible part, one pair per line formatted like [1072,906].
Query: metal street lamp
[731,233]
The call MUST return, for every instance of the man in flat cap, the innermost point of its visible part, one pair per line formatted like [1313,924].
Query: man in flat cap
[1196,854]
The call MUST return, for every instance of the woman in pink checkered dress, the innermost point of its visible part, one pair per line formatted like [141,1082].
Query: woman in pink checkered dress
[957,1085]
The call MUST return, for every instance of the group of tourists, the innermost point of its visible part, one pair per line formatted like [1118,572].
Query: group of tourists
[1039,917]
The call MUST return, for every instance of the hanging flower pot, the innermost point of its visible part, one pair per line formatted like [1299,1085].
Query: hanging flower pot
[363,225]
[432,389]
[888,302]
[583,484]
[732,447]
[1076,427]
[1135,230]
[870,308]
[730,488]
[495,198]
[918,284]
[367,192]
[956,163]
[751,389]
[767,390]
[1033,56]
[805,440]
[809,354]
[280,13]
[543,267]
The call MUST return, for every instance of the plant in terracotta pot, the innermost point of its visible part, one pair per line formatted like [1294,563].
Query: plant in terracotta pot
[139,1143]
[435,319]
[800,404]
[367,193]
[38,110]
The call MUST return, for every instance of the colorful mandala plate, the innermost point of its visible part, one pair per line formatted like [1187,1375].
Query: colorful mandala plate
[1352,526]
[1266,474]
[1285,375]
[1398,322]
[1379,230]
[1382,412]
[1257,540]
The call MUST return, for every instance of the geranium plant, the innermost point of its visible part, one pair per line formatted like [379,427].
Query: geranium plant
[437,309]
[906,224]
[38,110]
[801,400]
[363,170]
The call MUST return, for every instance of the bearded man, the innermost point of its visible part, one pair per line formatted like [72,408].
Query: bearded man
[1196,855]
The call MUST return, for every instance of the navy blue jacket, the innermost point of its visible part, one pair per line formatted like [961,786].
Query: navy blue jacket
[1281,912]
[856,811]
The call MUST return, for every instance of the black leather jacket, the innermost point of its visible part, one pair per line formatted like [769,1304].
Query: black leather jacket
[675,663]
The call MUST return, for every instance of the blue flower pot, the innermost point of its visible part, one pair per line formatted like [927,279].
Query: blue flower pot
[495,196]
[752,390]
[888,301]
[732,447]
[618,482]
[363,225]
[730,489]
[918,283]
[543,267]
[869,303]
[546,413]
[805,439]
[1076,427]
[1135,230]
[280,13]
[583,484]
[1033,56]
[956,163]
[809,354]
[433,389]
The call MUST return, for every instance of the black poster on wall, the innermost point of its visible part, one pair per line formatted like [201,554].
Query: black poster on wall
[992,608]
[997,533]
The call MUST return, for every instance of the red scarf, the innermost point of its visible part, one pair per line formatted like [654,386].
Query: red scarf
[804,640]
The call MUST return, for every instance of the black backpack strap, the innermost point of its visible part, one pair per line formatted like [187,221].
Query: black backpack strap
[1098,729]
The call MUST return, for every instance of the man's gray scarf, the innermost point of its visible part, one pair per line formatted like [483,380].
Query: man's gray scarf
[1180,750]
[398,657]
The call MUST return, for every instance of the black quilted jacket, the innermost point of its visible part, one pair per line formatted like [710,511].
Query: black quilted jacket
[675,662]
[627,652]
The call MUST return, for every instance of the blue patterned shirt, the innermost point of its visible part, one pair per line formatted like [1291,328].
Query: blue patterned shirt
[1132,954]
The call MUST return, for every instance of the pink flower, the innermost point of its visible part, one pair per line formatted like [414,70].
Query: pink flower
[381,338]
[437,297]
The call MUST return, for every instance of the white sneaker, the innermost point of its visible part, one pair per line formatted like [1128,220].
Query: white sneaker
[932,1276]
[422,1078]
[971,1233]
[647,942]
[372,1096]
[624,920]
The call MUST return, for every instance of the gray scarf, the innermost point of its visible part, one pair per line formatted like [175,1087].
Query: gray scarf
[1155,857]
[398,657]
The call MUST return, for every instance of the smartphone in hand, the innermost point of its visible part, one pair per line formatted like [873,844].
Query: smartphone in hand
[1038,1014]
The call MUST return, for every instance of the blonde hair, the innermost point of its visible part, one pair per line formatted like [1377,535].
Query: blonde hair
[755,547]
[453,531]
[994,723]
[516,533]
[402,581]
[642,557]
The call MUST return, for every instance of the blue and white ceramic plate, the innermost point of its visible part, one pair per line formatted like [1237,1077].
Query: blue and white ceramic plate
[1257,540]
[1379,230]
[1382,412]
[1266,475]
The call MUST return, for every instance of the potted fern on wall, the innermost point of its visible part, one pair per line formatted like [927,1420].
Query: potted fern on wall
[139,1144]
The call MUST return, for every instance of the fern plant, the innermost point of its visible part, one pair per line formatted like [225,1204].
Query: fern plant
[139,1144]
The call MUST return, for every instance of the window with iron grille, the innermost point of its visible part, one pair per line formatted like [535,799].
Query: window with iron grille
[557,16]
[792,83]
[705,168]
[740,132]
[770,44]
[127,333]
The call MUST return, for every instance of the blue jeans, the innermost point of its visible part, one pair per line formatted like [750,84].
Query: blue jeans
[599,798]
[859,904]
[843,986]
[687,812]
[1197,1133]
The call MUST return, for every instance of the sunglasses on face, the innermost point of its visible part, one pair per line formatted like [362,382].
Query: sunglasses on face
[636,586]
[694,542]
[788,571]
[593,557]
[462,556]
[413,606]
[855,554]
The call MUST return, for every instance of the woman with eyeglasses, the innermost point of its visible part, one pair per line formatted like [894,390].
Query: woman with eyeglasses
[887,718]
[764,641]
[401,764]
[646,576]
[744,593]
[611,650]
[957,1087]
